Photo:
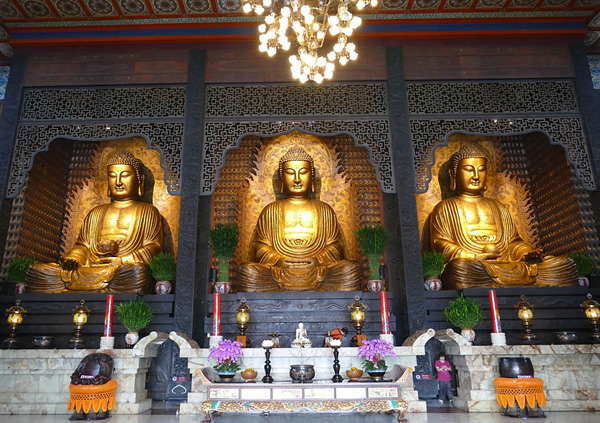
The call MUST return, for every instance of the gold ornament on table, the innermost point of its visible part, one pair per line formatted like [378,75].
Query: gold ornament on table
[116,242]
[80,318]
[592,312]
[302,25]
[243,317]
[297,244]
[525,313]
[479,239]
[15,317]
[357,315]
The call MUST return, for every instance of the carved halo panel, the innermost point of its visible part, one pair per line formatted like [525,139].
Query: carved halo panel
[166,137]
[567,131]
[371,134]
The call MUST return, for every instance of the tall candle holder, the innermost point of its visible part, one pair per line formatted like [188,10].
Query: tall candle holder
[336,362]
[267,378]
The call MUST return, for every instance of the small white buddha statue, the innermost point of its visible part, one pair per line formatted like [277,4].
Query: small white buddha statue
[301,340]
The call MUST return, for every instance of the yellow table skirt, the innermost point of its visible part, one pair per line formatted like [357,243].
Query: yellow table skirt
[96,397]
[527,390]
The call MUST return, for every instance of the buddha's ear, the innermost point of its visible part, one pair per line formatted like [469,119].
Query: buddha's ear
[281,186]
[141,186]
[108,192]
[312,186]
[452,181]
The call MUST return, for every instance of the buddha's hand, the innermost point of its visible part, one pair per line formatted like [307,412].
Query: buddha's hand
[108,247]
[535,256]
[69,264]
[305,263]
[488,252]
[110,261]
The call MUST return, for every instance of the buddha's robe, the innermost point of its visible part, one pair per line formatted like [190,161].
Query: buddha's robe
[460,241]
[317,237]
[140,240]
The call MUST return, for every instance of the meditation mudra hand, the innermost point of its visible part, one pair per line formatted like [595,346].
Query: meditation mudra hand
[297,243]
[115,244]
[479,239]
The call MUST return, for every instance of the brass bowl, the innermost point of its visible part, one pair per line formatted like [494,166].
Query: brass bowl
[302,373]
[249,376]
[354,375]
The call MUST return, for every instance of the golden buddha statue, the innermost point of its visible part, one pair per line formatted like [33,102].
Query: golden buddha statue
[297,242]
[479,239]
[115,244]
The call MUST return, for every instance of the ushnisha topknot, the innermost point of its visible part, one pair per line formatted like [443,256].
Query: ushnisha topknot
[296,154]
[126,158]
[467,151]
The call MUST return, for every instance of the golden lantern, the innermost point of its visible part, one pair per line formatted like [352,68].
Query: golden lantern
[525,313]
[357,315]
[242,317]
[15,317]
[592,312]
[80,317]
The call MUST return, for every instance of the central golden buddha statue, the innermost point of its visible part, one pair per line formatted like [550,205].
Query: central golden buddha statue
[479,239]
[297,243]
[115,244]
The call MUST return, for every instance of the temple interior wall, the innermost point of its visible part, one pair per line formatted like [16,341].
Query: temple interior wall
[422,79]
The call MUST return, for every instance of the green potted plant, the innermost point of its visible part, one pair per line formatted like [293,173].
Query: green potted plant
[433,265]
[163,268]
[464,313]
[224,240]
[586,265]
[17,270]
[371,240]
[135,316]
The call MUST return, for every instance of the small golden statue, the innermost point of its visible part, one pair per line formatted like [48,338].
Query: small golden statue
[297,243]
[479,239]
[115,244]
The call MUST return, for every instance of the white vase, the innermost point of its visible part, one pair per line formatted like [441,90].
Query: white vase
[468,334]
[131,338]
[162,287]
[583,281]
[433,284]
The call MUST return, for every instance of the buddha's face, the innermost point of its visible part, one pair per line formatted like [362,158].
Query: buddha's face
[122,182]
[296,178]
[471,175]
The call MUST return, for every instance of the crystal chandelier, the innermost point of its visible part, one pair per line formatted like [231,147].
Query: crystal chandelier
[305,23]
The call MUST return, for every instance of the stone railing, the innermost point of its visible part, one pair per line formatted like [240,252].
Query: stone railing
[37,381]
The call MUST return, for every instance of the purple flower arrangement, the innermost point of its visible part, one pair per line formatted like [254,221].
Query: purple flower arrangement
[374,352]
[227,353]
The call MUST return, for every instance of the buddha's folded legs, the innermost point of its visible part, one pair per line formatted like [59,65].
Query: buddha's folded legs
[343,276]
[50,277]
[465,273]
[557,271]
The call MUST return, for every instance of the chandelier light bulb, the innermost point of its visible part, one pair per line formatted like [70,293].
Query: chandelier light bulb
[247,8]
[286,46]
[321,61]
[270,19]
[262,28]
[338,47]
[316,26]
[259,9]
[328,74]
[271,35]
[360,4]
[262,48]
[334,30]
[285,11]
[329,67]
[333,20]
[303,78]
[271,51]
[374,3]
[353,55]
[347,31]
[331,56]
[268,3]
[350,47]
[263,38]
[320,35]
[355,22]
[305,10]
[309,19]
[318,78]
[343,60]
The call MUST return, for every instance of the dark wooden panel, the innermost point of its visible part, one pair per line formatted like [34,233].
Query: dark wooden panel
[119,65]
[471,59]
[555,309]
[51,314]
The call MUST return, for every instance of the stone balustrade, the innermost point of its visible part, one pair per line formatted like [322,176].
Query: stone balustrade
[36,381]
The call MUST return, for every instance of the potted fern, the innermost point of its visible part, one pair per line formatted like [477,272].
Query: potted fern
[135,316]
[224,240]
[433,265]
[163,268]
[17,272]
[371,240]
[586,265]
[466,314]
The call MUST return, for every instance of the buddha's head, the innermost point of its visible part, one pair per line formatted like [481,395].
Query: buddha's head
[125,176]
[468,170]
[297,173]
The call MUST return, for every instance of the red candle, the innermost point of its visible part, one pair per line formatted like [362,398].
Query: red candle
[108,315]
[385,316]
[496,327]
[216,314]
